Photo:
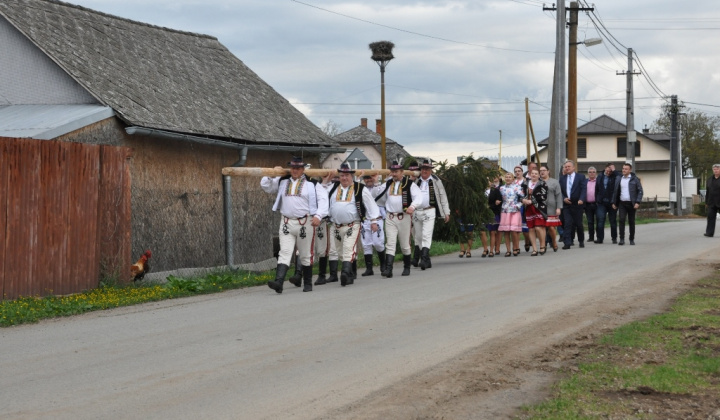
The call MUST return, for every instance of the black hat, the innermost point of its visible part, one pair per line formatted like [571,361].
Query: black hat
[367,176]
[296,162]
[345,169]
[426,164]
[413,166]
[395,165]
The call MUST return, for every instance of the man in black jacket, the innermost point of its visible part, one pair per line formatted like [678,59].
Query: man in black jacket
[712,200]
[604,197]
[627,197]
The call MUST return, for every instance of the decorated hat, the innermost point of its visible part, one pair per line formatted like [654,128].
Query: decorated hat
[395,165]
[296,162]
[426,164]
[413,166]
[345,169]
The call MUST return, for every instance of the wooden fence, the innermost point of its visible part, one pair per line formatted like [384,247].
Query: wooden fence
[64,216]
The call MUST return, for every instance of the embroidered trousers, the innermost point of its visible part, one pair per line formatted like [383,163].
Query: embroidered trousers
[397,229]
[296,232]
[372,239]
[345,238]
[423,225]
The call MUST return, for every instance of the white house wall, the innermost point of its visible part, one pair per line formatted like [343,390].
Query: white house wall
[334,160]
[29,77]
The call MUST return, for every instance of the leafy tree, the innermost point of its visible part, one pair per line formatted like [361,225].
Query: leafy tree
[465,184]
[699,139]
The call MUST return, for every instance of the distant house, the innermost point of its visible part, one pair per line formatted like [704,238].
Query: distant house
[603,140]
[185,105]
[368,142]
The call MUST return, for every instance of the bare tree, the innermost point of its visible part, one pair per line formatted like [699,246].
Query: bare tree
[331,128]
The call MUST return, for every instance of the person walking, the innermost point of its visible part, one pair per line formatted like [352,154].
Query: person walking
[712,200]
[373,239]
[604,190]
[400,197]
[536,211]
[302,205]
[573,186]
[349,204]
[628,195]
[510,216]
[434,203]
[554,205]
[495,203]
[591,203]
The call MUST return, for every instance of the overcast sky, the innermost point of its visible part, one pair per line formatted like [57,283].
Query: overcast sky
[462,69]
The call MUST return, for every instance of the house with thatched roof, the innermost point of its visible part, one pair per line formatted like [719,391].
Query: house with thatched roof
[184,104]
[368,142]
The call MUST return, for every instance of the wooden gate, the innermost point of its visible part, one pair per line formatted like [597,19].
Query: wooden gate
[64,216]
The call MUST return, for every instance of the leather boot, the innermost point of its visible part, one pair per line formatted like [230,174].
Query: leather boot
[346,273]
[381,257]
[389,259]
[354,272]
[333,271]
[307,278]
[406,262]
[296,278]
[322,269]
[277,284]
[368,265]
[416,256]
[425,259]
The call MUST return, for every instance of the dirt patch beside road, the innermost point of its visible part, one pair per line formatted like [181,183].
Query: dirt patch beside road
[494,380]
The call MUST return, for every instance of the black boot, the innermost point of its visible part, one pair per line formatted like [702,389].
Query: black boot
[277,284]
[322,268]
[346,273]
[368,265]
[333,271]
[389,259]
[406,262]
[381,257]
[296,278]
[425,259]
[416,256]
[354,272]
[307,278]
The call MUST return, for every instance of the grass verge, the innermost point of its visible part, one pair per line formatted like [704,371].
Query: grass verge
[667,366]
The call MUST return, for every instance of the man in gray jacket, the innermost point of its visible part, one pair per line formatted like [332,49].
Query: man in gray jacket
[434,204]
[628,195]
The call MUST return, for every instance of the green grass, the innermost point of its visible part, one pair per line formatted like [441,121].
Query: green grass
[676,353]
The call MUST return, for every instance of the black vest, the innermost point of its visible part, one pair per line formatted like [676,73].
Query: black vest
[358,197]
[406,184]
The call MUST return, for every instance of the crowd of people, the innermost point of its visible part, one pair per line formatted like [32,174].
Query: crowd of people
[329,220]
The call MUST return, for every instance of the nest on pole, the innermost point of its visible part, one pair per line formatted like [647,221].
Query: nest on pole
[382,50]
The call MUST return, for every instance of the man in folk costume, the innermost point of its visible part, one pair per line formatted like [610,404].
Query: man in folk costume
[373,239]
[434,203]
[302,204]
[400,197]
[349,204]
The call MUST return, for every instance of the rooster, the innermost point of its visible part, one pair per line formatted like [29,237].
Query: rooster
[141,267]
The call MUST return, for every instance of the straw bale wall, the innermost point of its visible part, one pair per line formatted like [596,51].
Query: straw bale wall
[177,199]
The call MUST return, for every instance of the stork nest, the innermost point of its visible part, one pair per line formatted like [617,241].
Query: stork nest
[382,50]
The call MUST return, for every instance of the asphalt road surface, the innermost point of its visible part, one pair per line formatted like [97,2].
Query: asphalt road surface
[254,354]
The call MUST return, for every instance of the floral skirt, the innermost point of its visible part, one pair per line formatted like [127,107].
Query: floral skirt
[510,222]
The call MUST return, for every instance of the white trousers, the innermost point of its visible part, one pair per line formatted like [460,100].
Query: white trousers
[372,239]
[345,238]
[423,225]
[397,229]
[296,232]
[322,239]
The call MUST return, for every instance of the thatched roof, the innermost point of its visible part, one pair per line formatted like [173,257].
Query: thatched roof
[161,78]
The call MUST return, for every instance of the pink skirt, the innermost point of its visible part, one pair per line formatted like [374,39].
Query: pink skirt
[510,222]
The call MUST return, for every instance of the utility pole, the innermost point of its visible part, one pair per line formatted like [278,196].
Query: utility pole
[556,146]
[675,163]
[631,137]
[572,80]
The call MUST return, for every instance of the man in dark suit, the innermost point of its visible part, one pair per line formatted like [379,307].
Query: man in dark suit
[574,190]
[712,200]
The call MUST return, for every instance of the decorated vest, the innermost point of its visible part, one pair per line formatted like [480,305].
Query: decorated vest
[405,185]
[431,187]
[312,201]
[359,205]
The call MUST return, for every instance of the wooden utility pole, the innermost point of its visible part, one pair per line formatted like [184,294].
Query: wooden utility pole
[572,85]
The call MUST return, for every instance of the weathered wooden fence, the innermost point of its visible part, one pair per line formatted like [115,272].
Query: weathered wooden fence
[64,216]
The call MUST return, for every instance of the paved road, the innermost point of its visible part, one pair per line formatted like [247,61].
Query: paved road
[252,354]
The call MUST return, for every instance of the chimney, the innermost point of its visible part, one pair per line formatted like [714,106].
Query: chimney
[646,130]
[363,122]
[378,126]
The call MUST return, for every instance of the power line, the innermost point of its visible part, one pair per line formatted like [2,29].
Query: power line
[418,33]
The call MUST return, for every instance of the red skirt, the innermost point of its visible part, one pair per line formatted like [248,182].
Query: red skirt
[533,217]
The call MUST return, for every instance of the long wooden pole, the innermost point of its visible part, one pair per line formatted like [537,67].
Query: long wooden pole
[232,171]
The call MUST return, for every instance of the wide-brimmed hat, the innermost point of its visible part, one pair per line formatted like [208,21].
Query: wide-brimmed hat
[413,166]
[426,164]
[395,165]
[296,162]
[345,169]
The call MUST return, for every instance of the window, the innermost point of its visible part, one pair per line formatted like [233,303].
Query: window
[622,147]
[581,148]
